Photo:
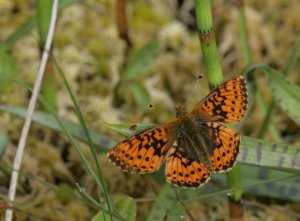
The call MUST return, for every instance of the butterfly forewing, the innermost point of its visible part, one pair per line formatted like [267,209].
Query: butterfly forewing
[226,103]
[142,152]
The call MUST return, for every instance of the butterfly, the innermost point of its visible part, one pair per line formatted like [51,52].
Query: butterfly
[197,144]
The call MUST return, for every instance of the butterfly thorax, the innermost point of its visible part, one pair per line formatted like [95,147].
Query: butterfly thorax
[191,135]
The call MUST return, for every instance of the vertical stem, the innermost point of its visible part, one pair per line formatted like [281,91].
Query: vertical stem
[214,71]
[31,106]
[122,22]
[210,52]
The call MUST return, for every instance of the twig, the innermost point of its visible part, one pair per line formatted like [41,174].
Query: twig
[31,107]
[122,23]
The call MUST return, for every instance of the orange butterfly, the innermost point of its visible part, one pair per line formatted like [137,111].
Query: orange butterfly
[197,143]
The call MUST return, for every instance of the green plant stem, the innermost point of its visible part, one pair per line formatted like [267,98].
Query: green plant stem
[209,48]
[214,71]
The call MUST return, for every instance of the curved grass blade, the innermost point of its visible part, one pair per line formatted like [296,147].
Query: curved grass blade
[286,94]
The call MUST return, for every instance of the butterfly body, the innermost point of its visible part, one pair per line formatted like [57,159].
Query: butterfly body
[197,143]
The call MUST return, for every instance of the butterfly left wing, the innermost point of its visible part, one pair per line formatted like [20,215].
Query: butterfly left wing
[226,103]
[142,152]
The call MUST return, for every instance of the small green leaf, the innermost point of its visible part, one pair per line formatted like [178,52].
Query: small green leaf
[8,70]
[141,95]
[126,207]
[141,60]
[127,129]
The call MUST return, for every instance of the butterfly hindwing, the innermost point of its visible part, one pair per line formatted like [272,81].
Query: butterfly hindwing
[184,171]
[226,103]
[225,146]
[142,152]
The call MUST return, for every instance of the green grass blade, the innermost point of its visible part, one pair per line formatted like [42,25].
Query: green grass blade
[292,58]
[47,120]
[4,141]
[264,153]
[8,69]
[48,89]
[43,13]
[103,186]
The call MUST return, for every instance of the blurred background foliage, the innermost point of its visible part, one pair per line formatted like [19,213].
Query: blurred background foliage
[97,64]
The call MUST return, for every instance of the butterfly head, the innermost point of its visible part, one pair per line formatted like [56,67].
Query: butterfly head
[180,111]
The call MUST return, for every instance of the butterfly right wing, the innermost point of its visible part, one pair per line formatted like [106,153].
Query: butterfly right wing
[225,146]
[226,103]
[142,152]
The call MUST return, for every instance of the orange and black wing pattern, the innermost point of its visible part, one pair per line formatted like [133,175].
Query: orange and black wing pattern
[225,146]
[184,170]
[142,152]
[227,103]
[197,144]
